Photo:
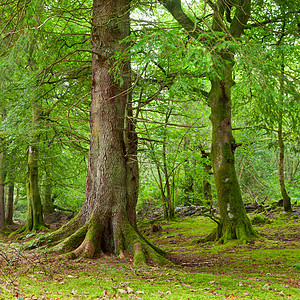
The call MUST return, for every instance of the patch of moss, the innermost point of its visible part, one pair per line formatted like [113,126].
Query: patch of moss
[260,219]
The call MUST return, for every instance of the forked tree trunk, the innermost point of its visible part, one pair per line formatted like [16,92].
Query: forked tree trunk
[106,222]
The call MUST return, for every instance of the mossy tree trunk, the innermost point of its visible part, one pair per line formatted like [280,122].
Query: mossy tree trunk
[234,223]
[35,220]
[106,222]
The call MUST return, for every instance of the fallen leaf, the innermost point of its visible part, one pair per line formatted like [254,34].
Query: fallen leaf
[129,290]
[140,292]
[74,292]
[121,291]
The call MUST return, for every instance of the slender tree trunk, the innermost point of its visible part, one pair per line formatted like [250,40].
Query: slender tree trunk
[286,198]
[2,176]
[48,207]
[207,194]
[35,219]
[2,194]
[132,166]
[188,186]
[10,204]
[168,198]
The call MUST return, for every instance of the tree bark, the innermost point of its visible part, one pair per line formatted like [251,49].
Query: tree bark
[35,220]
[106,222]
[169,209]
[2,176]
[48,207]
[10,204]
[286,198]
[2,185]
[234,223]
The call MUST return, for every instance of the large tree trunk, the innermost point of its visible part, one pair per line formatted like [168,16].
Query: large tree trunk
[35,220]
[106,222]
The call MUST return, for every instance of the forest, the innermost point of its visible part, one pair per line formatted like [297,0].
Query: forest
[147,140]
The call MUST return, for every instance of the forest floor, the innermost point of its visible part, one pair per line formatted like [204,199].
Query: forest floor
[265,268]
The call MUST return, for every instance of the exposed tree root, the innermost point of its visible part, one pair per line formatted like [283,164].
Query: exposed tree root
[96,237]
[227,231]
[25,229]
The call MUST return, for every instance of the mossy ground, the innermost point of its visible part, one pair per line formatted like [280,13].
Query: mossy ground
[262,269]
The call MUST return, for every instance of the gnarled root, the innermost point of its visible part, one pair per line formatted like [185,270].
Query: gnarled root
[98,236]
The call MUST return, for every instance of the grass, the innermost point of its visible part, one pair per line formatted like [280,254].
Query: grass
[263,269]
